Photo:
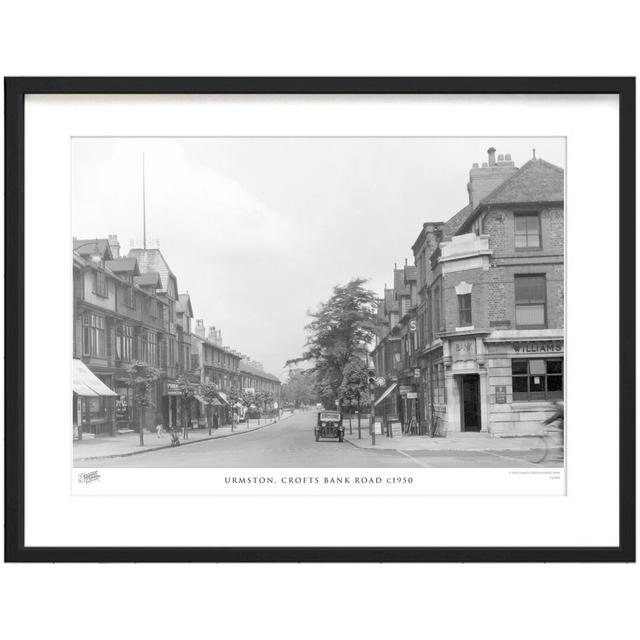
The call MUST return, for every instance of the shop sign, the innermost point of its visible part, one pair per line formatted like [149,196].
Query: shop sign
[416,373]
[537,347]
[413,326]
[173,389]
[404,389]
[412,395]
[501,395]
[463,349]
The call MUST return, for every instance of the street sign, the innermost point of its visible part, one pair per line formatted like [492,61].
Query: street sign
[380,381]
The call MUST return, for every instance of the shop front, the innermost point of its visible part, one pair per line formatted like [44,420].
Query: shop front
[93,403]
[525,380]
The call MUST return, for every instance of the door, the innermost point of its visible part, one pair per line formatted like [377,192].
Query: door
[471,403]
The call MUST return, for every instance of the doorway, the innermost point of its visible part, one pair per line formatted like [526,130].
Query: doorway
[471,420]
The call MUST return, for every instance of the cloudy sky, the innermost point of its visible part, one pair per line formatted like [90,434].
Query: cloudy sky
[259,230]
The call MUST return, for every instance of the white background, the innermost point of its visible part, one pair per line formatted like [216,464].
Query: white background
[335,38]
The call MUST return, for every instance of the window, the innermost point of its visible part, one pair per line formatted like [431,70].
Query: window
[93,335]
[531,302]
[537,379]
[149,347]
[100,284]
[464,308]
[124,342]
[527,228]
[129,300]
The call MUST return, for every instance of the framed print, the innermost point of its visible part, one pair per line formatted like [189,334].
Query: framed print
[320,319]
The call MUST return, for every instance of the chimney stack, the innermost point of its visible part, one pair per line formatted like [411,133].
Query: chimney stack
[483,180]
[114,245]
[200,329]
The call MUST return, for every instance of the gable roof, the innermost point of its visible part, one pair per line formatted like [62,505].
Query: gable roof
[537,181]
[151,279]
[151,260]
[123,265]
[93,246]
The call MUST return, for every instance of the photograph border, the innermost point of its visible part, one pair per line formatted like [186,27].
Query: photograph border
[15,91]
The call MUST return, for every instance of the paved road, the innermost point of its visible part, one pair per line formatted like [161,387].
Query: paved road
[290,443]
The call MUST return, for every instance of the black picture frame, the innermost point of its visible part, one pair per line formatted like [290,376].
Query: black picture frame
[15,91]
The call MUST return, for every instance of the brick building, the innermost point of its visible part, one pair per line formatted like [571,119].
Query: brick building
[489,314]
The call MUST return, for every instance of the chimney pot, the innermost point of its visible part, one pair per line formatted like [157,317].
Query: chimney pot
[501,157]
[508,157]
[475,165]
[491,152]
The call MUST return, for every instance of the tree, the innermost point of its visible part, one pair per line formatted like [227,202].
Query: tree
[141,378]
[340,332]
[188,391]
[300,388]
[208,394]
[354,384]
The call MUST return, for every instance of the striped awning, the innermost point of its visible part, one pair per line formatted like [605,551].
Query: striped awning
[223,397]
[86,383]
[385,394]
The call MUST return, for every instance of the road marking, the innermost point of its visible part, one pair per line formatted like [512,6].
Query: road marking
[498,455]
[403,453]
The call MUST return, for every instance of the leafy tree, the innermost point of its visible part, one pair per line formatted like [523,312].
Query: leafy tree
[300,388]
[208,393]
[354,386]
[141,378]
[188,391]
[340,332]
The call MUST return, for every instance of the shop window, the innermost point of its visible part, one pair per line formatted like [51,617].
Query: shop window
[531,301]
[124,342]
[537,379]
[464,308]
[527,231]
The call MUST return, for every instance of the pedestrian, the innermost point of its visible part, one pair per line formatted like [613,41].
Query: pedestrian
[159,427]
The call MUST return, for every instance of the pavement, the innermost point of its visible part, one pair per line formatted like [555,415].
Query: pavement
[480,441]
[127,444]
[290,443]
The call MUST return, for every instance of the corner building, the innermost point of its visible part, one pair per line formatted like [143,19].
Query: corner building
[490,304]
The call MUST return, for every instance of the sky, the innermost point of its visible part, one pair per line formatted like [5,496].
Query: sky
[259,230]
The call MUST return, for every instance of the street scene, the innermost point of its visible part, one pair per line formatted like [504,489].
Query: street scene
[277,329]
[290,443]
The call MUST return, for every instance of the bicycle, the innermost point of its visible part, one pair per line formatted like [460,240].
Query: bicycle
[551,442]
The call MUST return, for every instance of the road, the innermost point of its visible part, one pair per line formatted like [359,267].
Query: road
[290,443]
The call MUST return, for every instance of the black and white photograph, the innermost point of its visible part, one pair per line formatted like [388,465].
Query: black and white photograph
[318,302]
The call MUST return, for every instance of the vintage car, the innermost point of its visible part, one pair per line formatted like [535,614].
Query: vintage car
[329,425]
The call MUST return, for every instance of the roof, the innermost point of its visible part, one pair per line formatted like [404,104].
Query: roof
[390,303]
[456,221]
[399,283]
[152,261]
[123,265]
[93,246]
[410,273]
[259,373]
[184,304]
[537,181]
[151,279]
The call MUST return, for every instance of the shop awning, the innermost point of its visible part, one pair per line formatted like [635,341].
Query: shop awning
[385,394]
[87,384]
[223,397]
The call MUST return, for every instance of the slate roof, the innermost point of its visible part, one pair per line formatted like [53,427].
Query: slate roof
[151,279]
[150,261]
[244,367]
[399,284]
[537,181]
[410,273]
[455,222]
[88,247]
[123,265]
